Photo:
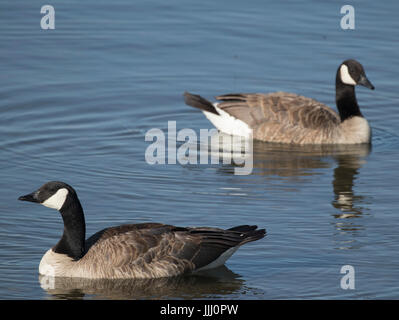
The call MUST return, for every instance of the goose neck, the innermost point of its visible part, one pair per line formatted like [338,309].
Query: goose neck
[72,242]
[346,100]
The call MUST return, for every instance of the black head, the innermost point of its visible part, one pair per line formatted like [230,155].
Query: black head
[351,73]
[53,194]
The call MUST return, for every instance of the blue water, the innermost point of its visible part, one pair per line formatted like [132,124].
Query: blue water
[76,103]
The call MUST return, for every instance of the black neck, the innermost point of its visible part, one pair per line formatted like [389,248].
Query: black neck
[72,241]
[346,100]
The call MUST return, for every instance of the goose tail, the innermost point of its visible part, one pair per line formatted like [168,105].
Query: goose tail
[249,233]
[199,102]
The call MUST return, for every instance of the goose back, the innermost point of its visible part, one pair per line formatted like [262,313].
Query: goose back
[283,117]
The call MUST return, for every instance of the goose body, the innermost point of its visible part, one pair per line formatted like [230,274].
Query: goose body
[147,250]
[283,117]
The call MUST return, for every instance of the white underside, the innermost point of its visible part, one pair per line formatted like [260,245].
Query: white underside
[355,130]
[221,260]
[228,124]
[53,264]
[45,267]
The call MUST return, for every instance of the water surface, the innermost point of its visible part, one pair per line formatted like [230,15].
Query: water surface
[77,101]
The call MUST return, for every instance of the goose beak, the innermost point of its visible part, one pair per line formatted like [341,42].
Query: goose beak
[31,197]
[363,81]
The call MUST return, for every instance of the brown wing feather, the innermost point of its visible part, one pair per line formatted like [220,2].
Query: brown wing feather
[281,107]
[135,251]
[283,117]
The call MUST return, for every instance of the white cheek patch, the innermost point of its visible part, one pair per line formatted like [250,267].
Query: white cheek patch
[56,201]
[345,76]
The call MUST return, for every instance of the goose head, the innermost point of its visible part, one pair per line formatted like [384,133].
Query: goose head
[62,197]
[53,194]
[352,73]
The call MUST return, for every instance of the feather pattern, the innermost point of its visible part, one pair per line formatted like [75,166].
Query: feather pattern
[283,117]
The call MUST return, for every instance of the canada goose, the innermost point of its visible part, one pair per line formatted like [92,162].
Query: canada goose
[289,118]
[147,250]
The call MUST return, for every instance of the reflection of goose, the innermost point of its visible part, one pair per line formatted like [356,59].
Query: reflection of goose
[294,167]
[344,176]
[294,163]
[305,160]
[219,281]
[289,118]
[349,204]
[300,161]
[148,250]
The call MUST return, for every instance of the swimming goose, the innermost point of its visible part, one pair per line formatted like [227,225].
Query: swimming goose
[147,250]
[289,118]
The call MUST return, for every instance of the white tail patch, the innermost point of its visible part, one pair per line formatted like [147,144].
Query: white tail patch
[221,260]
[345,76]
[56,201]
[228,124]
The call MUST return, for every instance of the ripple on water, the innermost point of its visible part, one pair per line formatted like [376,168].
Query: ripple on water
[384,139]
